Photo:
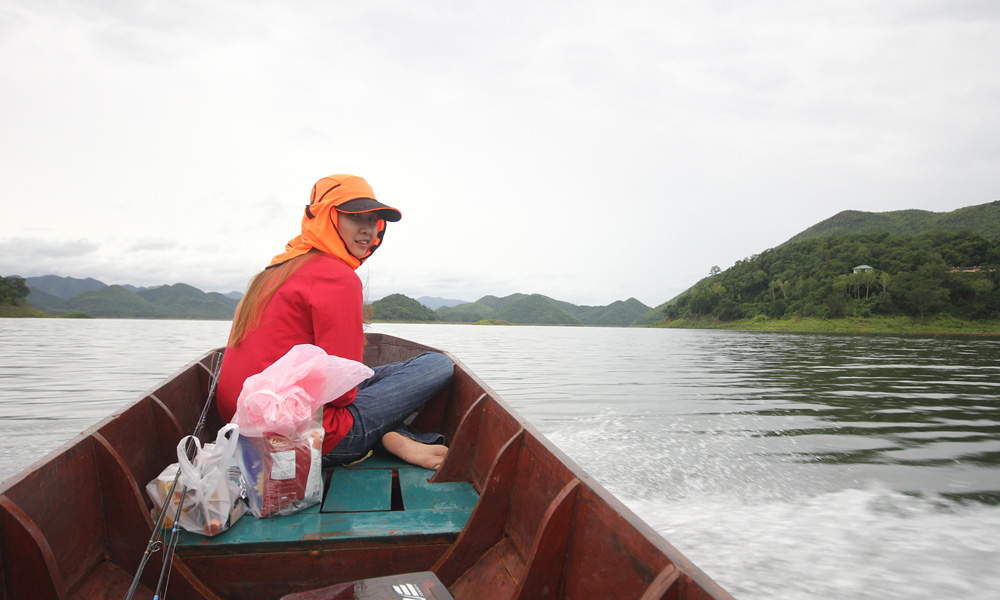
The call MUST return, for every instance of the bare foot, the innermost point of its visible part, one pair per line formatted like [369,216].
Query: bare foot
[423,455]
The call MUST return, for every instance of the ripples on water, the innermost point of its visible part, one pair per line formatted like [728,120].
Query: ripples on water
[60,376]
[785,465]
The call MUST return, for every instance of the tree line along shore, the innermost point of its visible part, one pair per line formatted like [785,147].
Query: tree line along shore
[934,282]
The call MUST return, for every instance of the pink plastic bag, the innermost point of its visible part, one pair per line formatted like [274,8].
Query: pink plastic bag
[289,392]
[279,413]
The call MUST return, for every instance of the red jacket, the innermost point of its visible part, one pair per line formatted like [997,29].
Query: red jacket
[319,304]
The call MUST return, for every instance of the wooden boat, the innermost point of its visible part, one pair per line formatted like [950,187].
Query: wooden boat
[507,515]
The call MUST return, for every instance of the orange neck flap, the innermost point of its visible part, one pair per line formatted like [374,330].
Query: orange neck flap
[319,224]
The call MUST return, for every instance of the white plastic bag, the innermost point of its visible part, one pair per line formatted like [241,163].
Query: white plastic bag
[279,412]
[214,496]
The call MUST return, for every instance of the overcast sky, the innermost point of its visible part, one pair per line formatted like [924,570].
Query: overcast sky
[588,151]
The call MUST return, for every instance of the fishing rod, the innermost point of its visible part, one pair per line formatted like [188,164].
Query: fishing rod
[155,543]
[167,563]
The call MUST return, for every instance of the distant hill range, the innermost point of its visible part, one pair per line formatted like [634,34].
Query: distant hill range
[519,309]
[64,295]
[982,219]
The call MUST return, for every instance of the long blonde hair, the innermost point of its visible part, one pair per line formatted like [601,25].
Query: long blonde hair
[259,293]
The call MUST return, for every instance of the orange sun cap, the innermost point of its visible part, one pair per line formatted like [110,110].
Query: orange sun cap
[332,194]
[350,194]
[363,205]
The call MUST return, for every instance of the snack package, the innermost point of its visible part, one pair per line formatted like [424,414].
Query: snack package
[283,474]
[213,489]
[279,413]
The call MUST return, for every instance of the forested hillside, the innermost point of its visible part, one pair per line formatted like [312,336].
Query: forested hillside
[952,273]
[13,292]
[982,219]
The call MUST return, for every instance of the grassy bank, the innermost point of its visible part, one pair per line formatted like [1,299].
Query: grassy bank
[28,312]
[938,324]
[12,311]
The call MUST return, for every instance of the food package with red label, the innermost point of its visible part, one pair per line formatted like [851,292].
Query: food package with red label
[283,474]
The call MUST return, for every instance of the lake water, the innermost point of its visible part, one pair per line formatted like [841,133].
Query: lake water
[786,466]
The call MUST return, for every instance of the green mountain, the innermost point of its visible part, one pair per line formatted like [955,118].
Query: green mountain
[185,302]
[582,313]
[136,289]
[620,313]
[498,303]
[484,308]
[465,313]
[536,309]
[179,301]
[46,302]
[855,275]
[982,219]
[228,299]
[114,301]
[397,307]
[63,287]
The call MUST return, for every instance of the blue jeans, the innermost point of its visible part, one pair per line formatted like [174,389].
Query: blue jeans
[386,399]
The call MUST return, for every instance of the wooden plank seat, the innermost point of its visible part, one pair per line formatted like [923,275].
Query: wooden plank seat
[381,498]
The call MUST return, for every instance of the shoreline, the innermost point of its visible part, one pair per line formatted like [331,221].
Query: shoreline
[937,325]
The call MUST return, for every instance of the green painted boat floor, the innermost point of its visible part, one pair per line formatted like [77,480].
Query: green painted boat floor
[378,498]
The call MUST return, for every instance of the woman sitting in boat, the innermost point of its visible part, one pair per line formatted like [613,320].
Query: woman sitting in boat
[310,294]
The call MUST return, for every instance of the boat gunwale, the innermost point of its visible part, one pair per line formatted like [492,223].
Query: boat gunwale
[148,394]
[699,584]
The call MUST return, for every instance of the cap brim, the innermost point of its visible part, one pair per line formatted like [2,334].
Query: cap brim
[363,205]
